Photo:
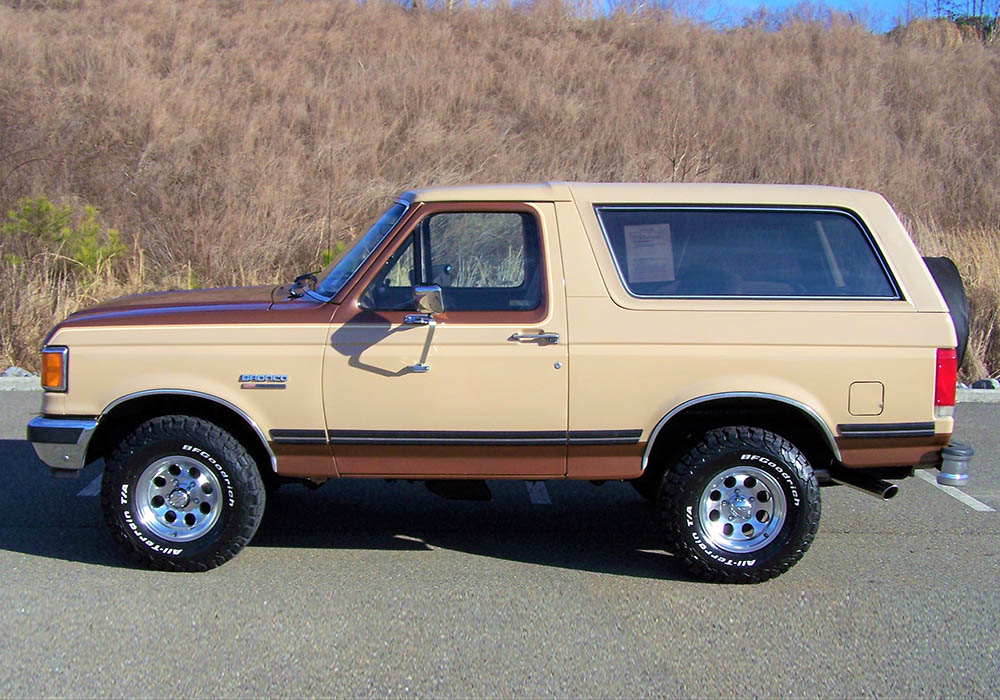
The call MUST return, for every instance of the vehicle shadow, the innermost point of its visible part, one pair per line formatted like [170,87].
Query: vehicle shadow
[45,517]
[368,329]
[608,529]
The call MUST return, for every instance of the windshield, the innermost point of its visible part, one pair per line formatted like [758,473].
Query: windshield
[352,258]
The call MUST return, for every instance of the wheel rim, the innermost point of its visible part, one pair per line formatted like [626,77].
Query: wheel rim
[741,509]
[179,499]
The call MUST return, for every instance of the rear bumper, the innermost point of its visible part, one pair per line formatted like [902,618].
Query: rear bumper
[952,461]
[901,444]
[61,442]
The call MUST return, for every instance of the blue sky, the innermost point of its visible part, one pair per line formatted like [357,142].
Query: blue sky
[880,15]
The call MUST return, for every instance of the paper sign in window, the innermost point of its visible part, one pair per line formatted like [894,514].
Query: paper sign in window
[649,255]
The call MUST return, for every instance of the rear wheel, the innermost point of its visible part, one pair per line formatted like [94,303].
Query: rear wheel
[742,506]
[181,493]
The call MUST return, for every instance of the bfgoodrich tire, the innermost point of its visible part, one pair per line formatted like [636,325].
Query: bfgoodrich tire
[180,493]
[742,506]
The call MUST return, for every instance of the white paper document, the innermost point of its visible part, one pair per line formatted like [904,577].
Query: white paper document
[649,254]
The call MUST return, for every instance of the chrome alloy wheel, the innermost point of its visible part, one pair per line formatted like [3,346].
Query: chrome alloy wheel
[178,498]
[741,509]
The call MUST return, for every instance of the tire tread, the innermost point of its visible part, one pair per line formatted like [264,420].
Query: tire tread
[188,429]
[715,444]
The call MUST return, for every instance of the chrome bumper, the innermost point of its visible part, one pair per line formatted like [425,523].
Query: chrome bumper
[61,442]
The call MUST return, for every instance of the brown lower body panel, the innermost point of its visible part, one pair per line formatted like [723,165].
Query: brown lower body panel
[548,461]
[858,453]
[304,461]
[461,461]
[452,461]
[599,462]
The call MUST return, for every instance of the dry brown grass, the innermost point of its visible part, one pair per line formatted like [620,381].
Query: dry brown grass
[231,142]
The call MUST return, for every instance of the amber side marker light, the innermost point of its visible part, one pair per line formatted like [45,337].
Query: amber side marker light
[55,363]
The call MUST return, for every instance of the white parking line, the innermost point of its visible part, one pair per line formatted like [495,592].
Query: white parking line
[537,492]
[91,489]
[956,494]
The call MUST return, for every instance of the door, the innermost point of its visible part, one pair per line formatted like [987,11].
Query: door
[477,391]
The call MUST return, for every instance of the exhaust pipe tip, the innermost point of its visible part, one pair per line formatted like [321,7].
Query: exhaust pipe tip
[876,487]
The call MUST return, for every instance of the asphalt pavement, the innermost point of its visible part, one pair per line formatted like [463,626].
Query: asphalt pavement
[366,588]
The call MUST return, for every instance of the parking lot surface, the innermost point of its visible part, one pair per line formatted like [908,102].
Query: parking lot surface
[366,588]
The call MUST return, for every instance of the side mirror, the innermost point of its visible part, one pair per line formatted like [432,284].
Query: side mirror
[427,299]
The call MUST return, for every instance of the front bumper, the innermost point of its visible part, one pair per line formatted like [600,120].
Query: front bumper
[62,442]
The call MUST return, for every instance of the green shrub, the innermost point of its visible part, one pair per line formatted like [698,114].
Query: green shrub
[33,227]
[328,255]
[37,227]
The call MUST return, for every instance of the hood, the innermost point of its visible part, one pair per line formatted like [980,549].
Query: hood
[184,299]
[260,304]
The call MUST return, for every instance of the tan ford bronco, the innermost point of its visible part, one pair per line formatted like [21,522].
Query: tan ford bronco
[726,348]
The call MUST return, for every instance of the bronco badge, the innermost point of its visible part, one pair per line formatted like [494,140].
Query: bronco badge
[263,381]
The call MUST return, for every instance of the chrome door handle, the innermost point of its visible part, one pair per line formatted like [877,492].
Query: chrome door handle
[543,338]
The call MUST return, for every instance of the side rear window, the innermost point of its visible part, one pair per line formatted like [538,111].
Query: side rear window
[744,252]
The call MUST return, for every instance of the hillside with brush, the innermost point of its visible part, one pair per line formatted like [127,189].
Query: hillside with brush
[178,144]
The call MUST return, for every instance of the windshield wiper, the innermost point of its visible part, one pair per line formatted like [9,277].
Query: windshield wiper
[300,283]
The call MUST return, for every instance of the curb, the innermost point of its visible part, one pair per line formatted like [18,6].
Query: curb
[977,395]
[20,384]
[962,395]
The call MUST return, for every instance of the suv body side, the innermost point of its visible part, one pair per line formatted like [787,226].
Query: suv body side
[630,363]
[726,348]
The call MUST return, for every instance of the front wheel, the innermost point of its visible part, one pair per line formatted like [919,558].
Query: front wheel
[181,493]
[742,506]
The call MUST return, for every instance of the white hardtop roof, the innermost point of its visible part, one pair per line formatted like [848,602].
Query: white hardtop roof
[649,193]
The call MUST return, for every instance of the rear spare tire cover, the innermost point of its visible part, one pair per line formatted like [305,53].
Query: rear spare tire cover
[949,281]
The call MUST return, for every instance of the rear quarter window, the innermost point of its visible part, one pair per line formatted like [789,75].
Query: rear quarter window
[744,252]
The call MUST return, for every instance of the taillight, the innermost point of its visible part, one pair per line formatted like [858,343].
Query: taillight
[55,363]
[945,377]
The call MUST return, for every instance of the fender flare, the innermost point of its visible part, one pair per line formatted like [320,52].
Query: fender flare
[806,410]
[199,395]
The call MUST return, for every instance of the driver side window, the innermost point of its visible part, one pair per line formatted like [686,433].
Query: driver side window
[483,261]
